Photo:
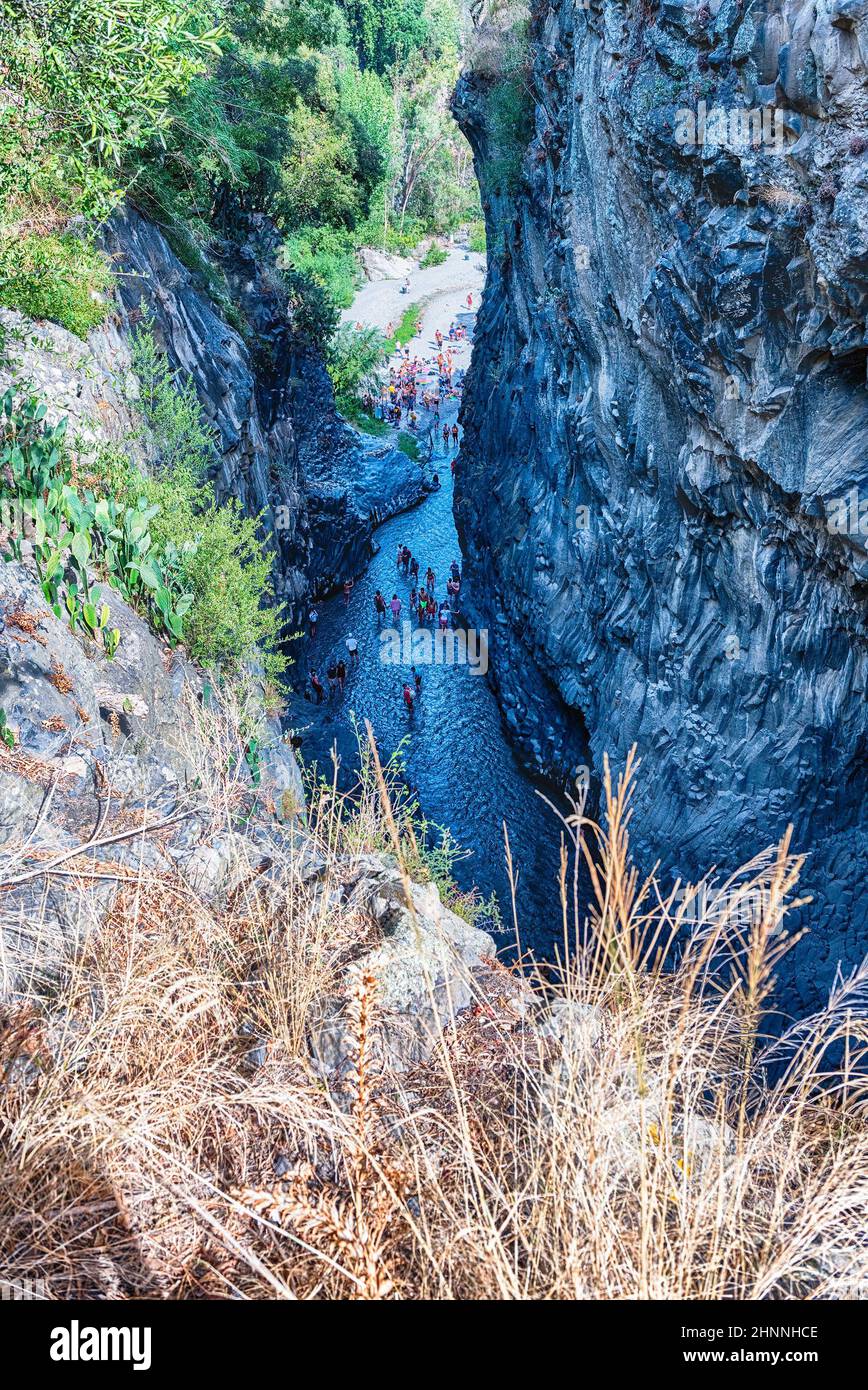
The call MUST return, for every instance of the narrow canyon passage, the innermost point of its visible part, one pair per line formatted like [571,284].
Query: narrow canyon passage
[456,753]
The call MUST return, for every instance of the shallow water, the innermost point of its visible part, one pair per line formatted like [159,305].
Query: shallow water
[457,755]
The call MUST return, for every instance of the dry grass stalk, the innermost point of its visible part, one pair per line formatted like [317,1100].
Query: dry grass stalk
[660,1145]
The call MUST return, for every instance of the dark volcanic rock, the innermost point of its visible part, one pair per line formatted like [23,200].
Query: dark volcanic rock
[666,403]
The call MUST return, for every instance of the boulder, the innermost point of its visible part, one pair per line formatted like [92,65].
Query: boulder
[423,967]
[381,265]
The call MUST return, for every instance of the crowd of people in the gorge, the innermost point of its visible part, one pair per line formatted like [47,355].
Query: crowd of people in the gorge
[422,607]
[419,384]
[415,385]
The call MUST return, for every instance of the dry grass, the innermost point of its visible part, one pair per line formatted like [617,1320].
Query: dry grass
[668,1150]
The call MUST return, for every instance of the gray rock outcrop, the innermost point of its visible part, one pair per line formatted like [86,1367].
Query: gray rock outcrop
[426,964]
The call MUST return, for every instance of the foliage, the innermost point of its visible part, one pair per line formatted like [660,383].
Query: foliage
[406,328]
[233,617]
[435,255]
[86,81]
[510,114]
[317,182]
[353,358]
[313,310]
[62,278]
[382,31]
[325,256]
[171,410]
[368,424]
[476,239]
[399,239]
[198,570]
[220,554]
[7,736]
[330,116]
[432,171]
[499,50]
[218,557]
[409,445]
[76,532]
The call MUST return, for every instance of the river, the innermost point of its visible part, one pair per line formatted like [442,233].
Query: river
[456,753]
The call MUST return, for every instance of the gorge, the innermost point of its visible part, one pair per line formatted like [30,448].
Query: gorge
[662,464]
[433,708]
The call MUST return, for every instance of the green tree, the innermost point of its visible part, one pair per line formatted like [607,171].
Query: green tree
[85,81]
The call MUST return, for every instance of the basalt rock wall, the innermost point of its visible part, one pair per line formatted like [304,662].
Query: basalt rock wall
[666,407]
[283,449]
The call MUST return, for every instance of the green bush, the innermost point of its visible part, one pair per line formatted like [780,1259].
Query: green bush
[226,567]
[92,80]
[353,358]
[511,117]
[393,238]
[368,424]
[170,409]
[325,255]
[511,106]
[223,560]
[409,445]
[435,255]
[61,278]
[75,533]
[314,313]
[476,239]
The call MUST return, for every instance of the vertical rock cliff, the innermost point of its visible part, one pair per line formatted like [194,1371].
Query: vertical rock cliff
[284,451]
[665,424]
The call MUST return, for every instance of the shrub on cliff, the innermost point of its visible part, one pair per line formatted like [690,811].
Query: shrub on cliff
[498,50]
[222,561]
[354,355]
[63,278]
[83,82]
[222,557]
[325,255]
[199,570]
[476,238]
[75,533]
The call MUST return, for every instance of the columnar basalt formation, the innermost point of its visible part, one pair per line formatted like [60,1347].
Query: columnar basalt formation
[666,407]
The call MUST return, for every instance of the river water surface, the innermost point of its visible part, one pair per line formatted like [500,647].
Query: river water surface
[456,753]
